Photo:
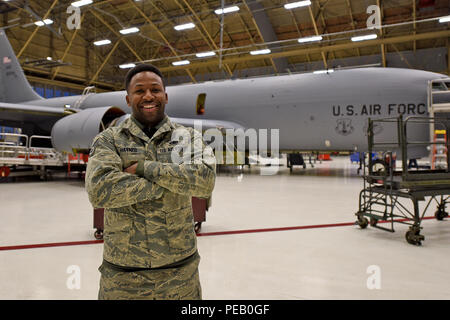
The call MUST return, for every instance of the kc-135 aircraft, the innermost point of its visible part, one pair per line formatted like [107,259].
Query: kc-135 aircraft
[321,112]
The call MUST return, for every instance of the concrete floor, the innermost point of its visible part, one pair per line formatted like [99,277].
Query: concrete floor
[321,261]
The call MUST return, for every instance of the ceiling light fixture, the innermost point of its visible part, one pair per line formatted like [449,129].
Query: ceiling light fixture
[181,63]
[444,19]
[129,30]
[127,66]
[366,37]
[310,39]
[226,10]
[102,42]
[44,22]
[263,51]
[185,26]
[205,54]
[81,3]
[297,4]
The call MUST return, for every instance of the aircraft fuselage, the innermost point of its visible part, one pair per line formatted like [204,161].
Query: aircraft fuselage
[311,111]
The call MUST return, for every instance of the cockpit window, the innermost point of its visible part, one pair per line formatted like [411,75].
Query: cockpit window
[200,107]
[439,86]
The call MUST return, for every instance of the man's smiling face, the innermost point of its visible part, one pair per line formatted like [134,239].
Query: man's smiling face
[147,98]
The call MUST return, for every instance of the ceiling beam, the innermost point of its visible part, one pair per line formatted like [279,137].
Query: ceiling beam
[414,24]
[162,37]
[258,29]
[382,46]
[69,45]
[211,43]
[62,83]
[325,48]
[36,29]
[324,59]
[448,55]
[349,6]
[105,61]
[99,17]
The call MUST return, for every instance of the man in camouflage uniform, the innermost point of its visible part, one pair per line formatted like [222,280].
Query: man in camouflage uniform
[150,246]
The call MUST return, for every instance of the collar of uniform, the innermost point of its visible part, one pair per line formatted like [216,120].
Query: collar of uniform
[136,128]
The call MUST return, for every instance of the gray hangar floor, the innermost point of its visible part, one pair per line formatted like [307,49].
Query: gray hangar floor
[324,256]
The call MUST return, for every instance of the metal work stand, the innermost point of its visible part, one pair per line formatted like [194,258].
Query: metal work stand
[384,186]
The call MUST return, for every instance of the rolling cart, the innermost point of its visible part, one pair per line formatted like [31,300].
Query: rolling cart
[384,186]
[199,208]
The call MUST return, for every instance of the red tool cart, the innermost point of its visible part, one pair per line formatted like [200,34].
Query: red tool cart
[199,208]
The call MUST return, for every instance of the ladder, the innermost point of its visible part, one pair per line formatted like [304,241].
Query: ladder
[438,100]
[439,155]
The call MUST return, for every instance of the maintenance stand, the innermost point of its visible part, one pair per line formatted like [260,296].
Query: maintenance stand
[384,185]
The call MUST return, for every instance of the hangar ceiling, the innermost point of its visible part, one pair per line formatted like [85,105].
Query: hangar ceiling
[63,52]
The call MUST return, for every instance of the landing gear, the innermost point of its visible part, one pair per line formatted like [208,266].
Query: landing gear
[413,236]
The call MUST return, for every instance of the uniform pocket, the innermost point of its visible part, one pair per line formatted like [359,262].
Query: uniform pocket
[174,154]
[180,227]
[130,159]
[165,157]
[117,235]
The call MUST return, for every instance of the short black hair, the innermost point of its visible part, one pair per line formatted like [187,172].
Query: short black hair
[141,68]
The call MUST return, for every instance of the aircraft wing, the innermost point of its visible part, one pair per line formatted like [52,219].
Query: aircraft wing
[13,113]
[207,123]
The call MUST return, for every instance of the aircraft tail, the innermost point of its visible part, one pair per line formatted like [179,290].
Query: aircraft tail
[14,86]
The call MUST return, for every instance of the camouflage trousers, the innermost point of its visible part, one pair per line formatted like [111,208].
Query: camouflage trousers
[178,283]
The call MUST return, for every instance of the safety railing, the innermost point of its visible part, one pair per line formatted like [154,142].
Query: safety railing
[20,149]
[404,143]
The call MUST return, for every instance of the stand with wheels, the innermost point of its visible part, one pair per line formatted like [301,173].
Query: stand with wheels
[379,200]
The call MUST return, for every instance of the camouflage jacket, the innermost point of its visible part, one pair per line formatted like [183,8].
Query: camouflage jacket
[148,215]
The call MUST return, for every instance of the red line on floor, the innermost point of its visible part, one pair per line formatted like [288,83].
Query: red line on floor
[49,245]
[221,233]
[205,234]
[346,224]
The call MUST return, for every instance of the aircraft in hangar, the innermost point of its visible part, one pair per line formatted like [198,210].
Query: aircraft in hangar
[321,112]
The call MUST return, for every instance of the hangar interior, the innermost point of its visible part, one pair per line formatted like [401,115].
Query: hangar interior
[290,235]
[409,38]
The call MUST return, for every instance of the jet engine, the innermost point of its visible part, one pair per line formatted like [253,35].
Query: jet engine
[74,133]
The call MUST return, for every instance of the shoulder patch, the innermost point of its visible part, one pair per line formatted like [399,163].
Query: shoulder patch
[94,144]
